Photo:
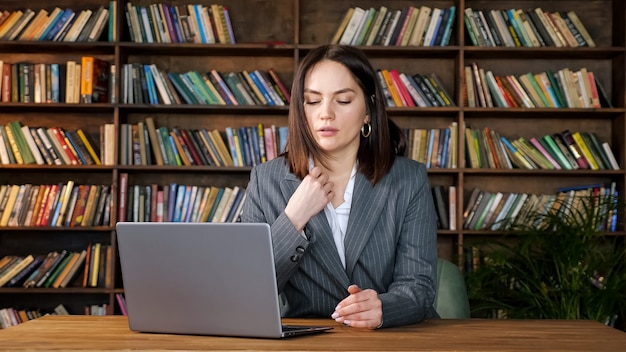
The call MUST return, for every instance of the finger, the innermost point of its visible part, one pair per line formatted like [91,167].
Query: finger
[327,188]
[352,289]
[365,324]
[315,172]
[323,179]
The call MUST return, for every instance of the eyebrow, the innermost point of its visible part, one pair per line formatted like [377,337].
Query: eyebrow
[340,91]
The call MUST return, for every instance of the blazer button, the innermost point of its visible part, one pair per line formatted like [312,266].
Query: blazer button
[295,258]
[300,249]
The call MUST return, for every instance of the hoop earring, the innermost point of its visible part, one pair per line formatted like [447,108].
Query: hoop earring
[369,130]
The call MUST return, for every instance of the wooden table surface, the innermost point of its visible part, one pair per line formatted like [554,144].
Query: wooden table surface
[111,333]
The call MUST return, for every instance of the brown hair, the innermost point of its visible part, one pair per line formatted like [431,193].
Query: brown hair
[377,152]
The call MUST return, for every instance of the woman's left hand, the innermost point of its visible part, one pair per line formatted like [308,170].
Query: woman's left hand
[361,309]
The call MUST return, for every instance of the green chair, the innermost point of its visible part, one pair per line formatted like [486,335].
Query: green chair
[451,301]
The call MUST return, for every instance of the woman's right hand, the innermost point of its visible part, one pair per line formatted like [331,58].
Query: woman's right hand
[310,198]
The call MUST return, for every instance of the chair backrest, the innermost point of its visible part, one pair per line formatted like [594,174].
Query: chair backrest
[451,301]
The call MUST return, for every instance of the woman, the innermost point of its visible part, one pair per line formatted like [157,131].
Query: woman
[353,224]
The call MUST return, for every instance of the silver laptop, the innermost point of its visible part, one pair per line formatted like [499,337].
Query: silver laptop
[202,279]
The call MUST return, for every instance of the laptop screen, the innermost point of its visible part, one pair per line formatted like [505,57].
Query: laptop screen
[200,278]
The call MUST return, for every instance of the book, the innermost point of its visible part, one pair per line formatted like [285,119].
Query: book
[94,87]
[342,26]
[15,269]
[584,149]
[121,302]
[350,31]
[609,153]
[53,266]
[581,28]
[22,275]
[441,205]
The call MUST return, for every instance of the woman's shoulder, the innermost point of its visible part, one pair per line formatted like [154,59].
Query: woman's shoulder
[402,165]
[407,172]
[277,165]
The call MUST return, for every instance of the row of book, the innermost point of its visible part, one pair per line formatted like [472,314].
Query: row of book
[62,25]
[59,269]
[494,210]
[564,88]
[144,143]
[21,144]
[486,148]
[410,26]
[63,204]
[434,147]
[89,80]
[141,144]
[14,316]
[564,150]
[166,23]
[179,203]
[147,84]
[422,90]
[530,28]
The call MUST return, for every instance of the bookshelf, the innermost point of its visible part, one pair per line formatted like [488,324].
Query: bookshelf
[277,34]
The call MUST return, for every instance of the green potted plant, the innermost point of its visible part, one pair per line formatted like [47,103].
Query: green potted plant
[559,264]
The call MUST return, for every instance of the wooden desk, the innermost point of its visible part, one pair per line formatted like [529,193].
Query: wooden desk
[111,333]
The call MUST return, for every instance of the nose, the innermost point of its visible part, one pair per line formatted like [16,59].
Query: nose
[326,110]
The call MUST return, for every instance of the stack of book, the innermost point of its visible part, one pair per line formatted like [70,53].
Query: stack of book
[530,28]
[165,23]
[411,26]
[405,90]
[565,88]
[147,84]
[558,151]
[58,25]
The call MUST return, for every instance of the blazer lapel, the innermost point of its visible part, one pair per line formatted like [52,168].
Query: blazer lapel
[324,249]
[367,204]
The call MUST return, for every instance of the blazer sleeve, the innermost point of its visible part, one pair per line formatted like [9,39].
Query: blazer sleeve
[410,296]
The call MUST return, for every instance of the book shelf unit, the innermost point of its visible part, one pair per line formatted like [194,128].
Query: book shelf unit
[277,34]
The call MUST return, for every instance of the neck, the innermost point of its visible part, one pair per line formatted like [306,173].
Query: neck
[340,164]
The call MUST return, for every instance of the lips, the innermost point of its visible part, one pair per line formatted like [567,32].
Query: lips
[327,131]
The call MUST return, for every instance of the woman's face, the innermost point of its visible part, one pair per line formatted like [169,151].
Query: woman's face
[334,106]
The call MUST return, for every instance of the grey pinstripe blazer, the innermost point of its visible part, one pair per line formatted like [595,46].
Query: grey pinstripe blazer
[390,243]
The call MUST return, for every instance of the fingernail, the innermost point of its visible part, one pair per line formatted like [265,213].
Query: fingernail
[346,322]
[335,315]
[338,307]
